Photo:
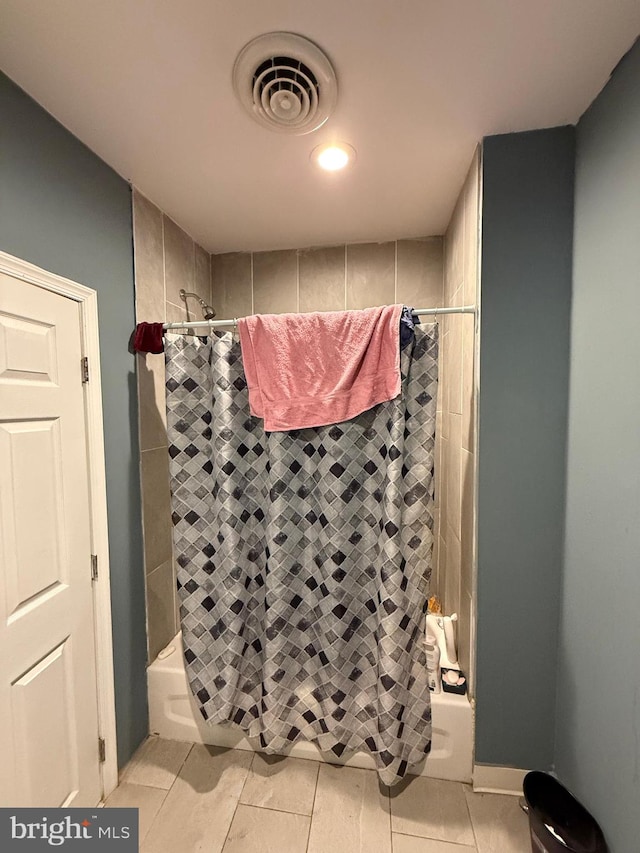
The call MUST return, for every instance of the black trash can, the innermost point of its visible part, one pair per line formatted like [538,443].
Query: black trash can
[557,821]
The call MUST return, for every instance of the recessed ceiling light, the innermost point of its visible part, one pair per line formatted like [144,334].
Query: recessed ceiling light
[333,156]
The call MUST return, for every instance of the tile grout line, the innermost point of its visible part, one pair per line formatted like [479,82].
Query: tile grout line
[315,792]
[253,755]
[188,753]
[136,290]
[164,799]
[395,271]
[273,808]
[155,817]
[135,760]
[444,268]
[252,299]
[345,276]
[149,449]
[249,769]
[164,270]
[132,764]
[173,305]
[449,843]
[193,266]
[473,828]
[210,281]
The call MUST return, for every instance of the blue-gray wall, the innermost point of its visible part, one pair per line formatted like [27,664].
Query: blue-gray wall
[598,713]
[524,364]
[63,209]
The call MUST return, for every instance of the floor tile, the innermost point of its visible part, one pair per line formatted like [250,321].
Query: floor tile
[157,763]
[199,808]
[499,823]
[413,844]
[433,809]
[146,800]
[257,830]
[350,812]
[231,801]
[285,784]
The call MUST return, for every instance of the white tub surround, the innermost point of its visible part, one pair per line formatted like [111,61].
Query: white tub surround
[173,714]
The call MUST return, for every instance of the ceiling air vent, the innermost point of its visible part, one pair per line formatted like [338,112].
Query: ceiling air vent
[285,83]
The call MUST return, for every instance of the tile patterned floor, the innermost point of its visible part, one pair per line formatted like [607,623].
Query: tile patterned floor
[199,799]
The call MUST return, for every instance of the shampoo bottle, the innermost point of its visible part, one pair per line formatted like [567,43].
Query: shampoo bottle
[433,663]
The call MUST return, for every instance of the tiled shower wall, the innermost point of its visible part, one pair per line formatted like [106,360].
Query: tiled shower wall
[336,278]
[166,259]
[419,272]
[455,462]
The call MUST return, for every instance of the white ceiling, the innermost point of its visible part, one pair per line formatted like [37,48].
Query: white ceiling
[147,85]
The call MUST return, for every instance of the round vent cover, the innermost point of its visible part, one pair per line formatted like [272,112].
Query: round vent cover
[285,82]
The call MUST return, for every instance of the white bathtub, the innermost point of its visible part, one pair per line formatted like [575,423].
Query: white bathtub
[173,714]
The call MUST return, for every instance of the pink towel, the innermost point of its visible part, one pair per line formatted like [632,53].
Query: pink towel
[307,370]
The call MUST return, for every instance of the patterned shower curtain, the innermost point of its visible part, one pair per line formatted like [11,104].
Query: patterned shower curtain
[304,559]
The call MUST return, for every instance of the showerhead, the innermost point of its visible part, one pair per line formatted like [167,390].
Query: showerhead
[208,311]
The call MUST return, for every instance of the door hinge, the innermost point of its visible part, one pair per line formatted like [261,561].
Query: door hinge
[102,749]
[94,567]
[85,369]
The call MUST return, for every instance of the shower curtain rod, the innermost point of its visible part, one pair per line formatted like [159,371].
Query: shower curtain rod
[212,324]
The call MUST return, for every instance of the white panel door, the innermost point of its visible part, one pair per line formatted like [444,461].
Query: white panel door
[48,689]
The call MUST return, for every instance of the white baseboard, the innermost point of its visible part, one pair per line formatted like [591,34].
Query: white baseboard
[489,779]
